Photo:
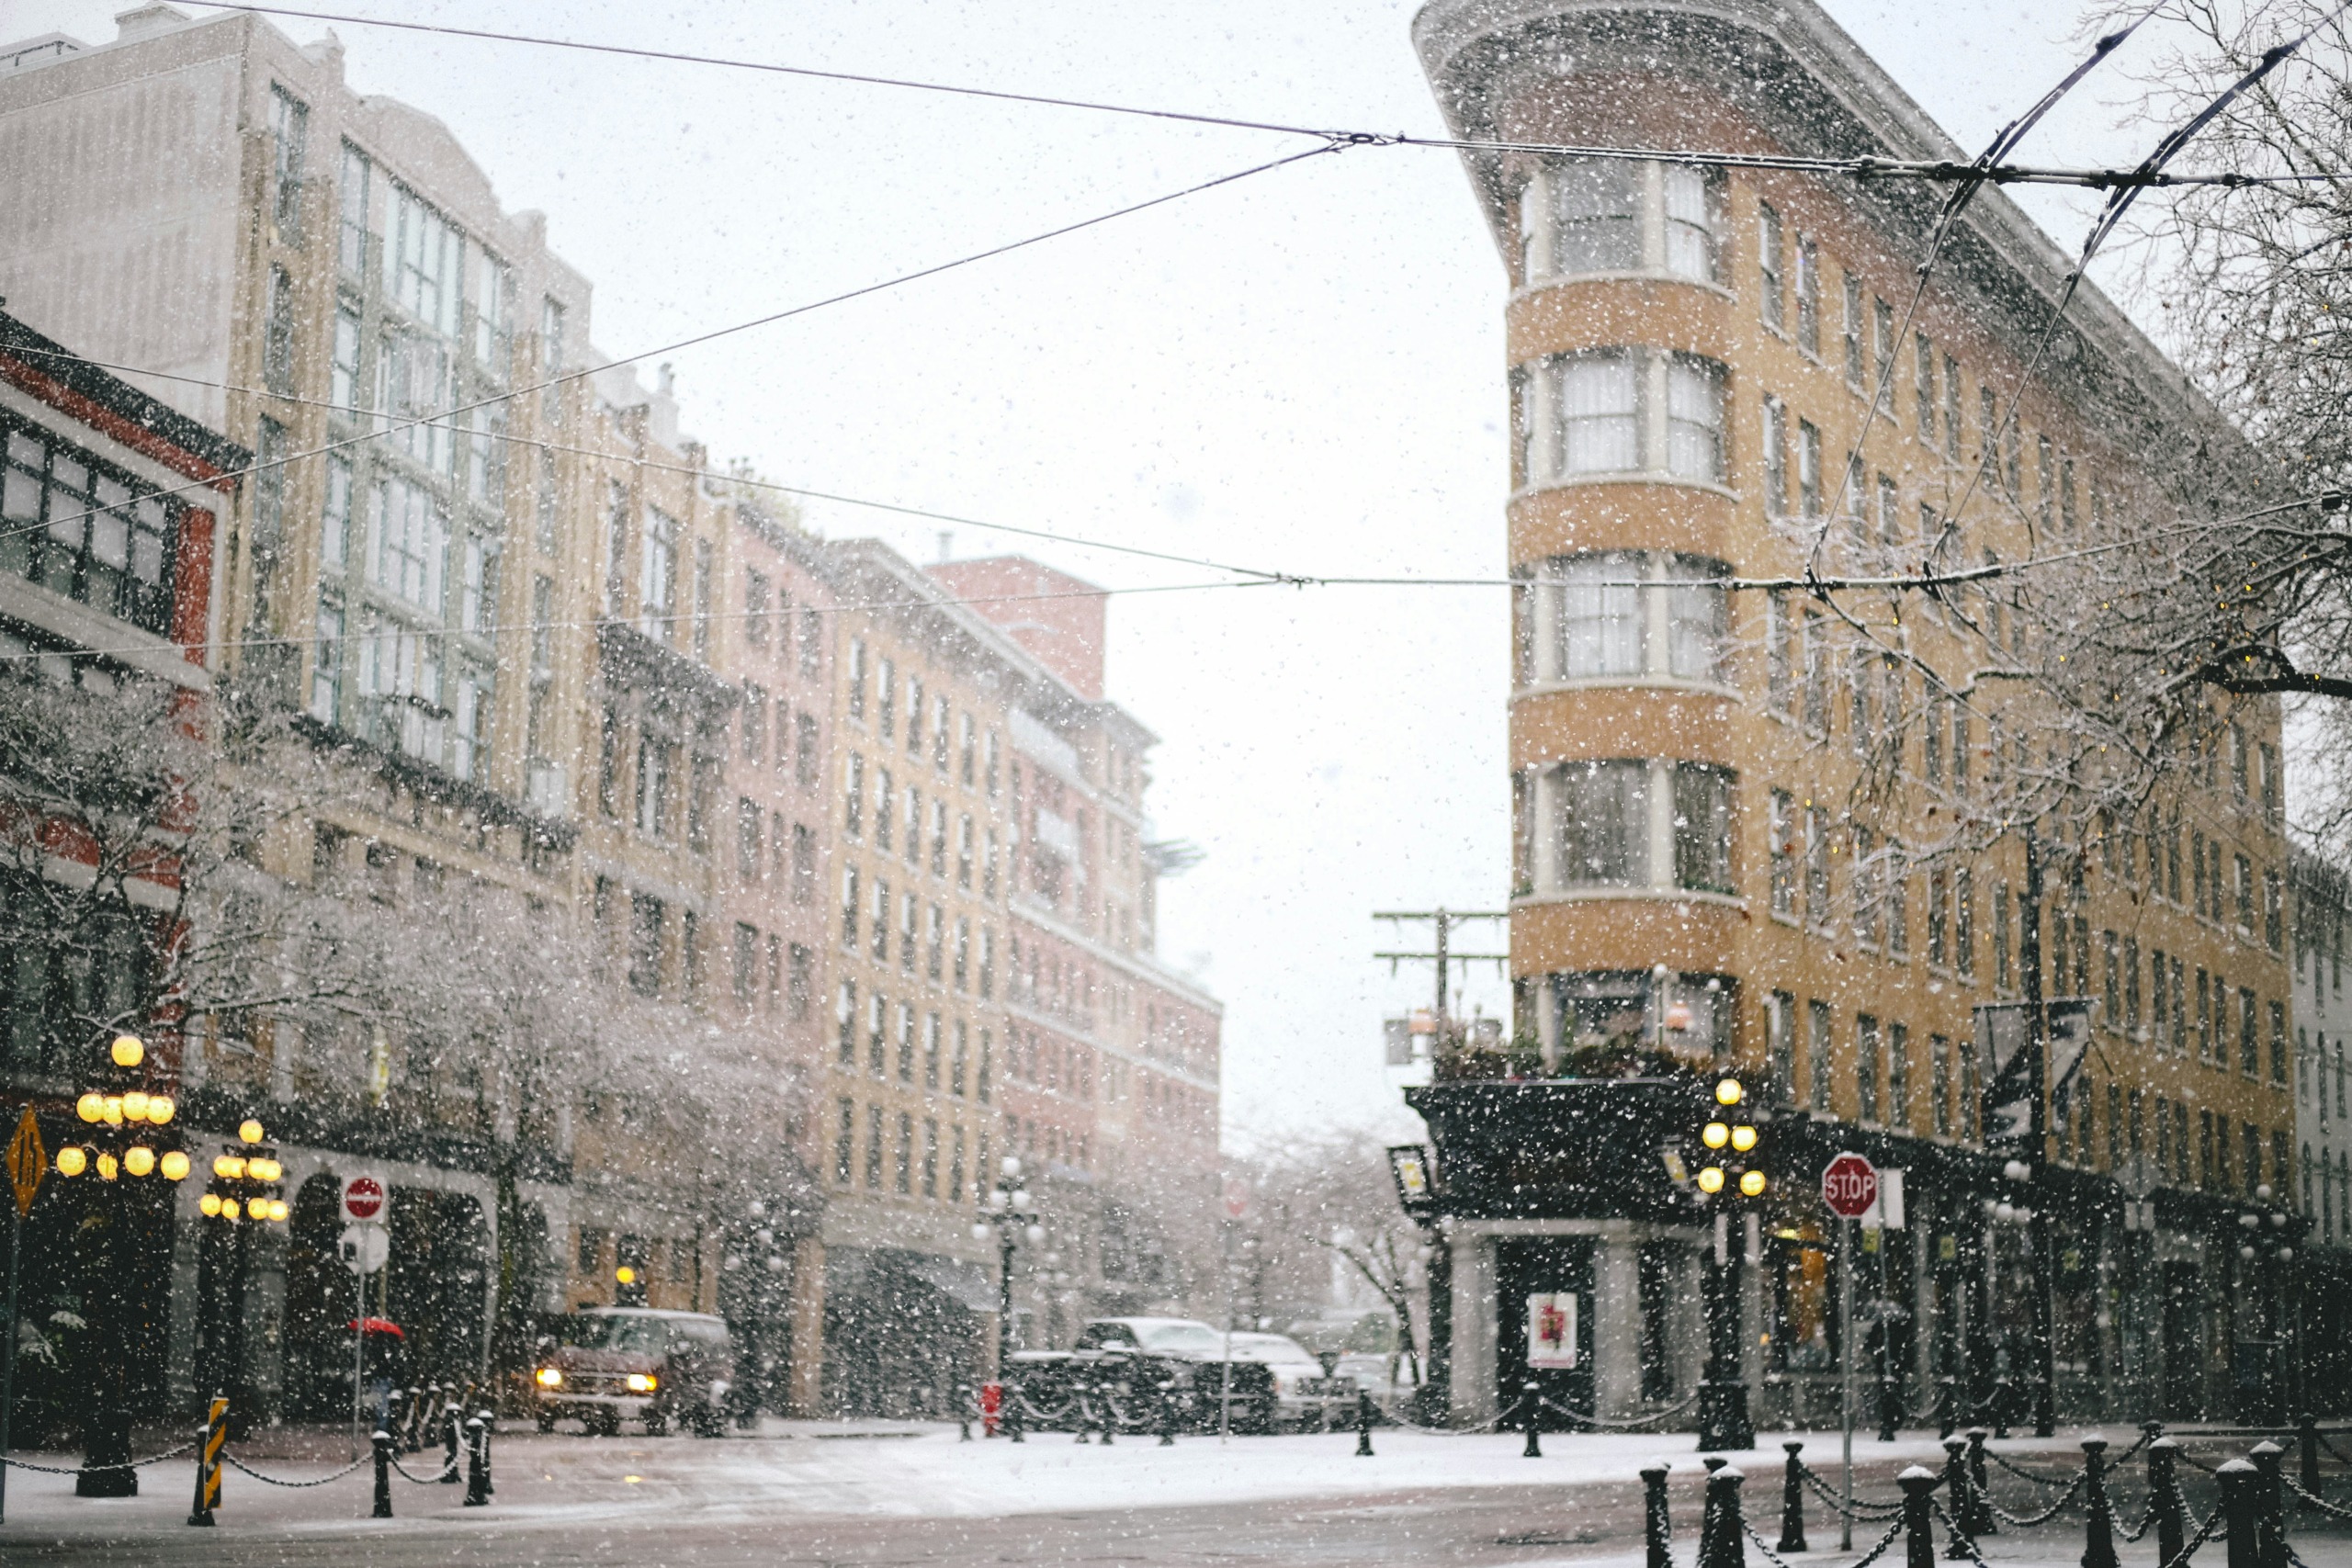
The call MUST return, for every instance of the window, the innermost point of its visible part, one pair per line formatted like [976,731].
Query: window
[858,680]
[1599,418]
[1964,922]
[647,917]
[327,669]
[1952,406]
[874,1115]
[1779,685]
[1702,828]
[1694,418]
[843,1138]
[1882,362]
[747,963]
[1940,1084]
[854,798]
[1817,1052]
[1854,330]
[1816,867]
[1924,388]
[657,574]
[705,572]
[1809,497]
[1697,615]
[1604,823]
[1782,850]
[1776,456]
[1867,1048]
[1692,199]
[354,196]
[2274,911]
[1591,621]
[1772,287]
[1808,295]
[1599,617]
[277,331]
[653,757]
[1779,1044]
[1598,216]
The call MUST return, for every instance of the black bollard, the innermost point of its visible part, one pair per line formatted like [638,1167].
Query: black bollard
[1533,1449]
[2242,1507]
[1947,1405]
[1980,1500]
[2098,1532]
[449,1445]
[1918,1484]
[1168,1416]
[1656,1524]
[1958,1547]
[963,1413]
[2271,1505]
[1793,1503]
[1012,1413]
[489,1430]
[1085,1412]
[2003,1392]
[2307,1438]
[2164,1500]
[382,1441]
[477,1458]
[1106,1420]
[1890,1402]
[1364,1425]
[1726,1547]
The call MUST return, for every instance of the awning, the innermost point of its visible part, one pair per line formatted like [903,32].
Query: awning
[966,1282]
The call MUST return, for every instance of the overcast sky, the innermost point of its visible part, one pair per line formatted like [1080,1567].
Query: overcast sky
[1300,372]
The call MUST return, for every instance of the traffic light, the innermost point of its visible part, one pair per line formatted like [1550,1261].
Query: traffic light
[1729,1140]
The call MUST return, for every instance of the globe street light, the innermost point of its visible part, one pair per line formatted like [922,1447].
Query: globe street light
[123,1134]
[1007,1210]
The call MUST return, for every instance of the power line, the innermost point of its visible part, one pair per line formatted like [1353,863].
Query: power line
[768,320]
[1863,167]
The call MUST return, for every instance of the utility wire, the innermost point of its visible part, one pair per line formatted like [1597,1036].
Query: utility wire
[2003,143]
[769,319]
[1863,167]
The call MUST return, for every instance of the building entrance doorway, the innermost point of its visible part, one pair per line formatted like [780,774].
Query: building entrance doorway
[1543,1319]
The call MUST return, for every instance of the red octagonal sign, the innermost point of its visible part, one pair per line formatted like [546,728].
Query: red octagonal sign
[1850,1186]
[363,1198]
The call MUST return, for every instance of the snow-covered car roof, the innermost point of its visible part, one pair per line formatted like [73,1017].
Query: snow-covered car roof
[1271,1348]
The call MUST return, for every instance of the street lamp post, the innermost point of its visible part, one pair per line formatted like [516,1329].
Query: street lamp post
[242,1194]
[124,1124]
[1730,1179]
[2267,1243]
[1008,1212]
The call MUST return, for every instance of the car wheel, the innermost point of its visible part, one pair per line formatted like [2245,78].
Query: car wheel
[602,1423]
[547,1421]
[656,1424]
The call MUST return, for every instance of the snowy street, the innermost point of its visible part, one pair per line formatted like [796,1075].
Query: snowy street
[816,1493]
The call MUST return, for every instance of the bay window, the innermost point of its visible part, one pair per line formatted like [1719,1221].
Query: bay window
[1625,615]
[1587,217]
[1621,410]
[1624,823]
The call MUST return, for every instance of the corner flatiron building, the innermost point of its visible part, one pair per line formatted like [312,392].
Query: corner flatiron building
[1755,837]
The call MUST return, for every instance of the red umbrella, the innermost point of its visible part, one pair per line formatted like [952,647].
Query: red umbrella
[377,1325]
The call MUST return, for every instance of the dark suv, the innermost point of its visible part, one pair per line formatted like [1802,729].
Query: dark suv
[607,1365]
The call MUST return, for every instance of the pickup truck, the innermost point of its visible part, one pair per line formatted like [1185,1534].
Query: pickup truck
[1127,1366]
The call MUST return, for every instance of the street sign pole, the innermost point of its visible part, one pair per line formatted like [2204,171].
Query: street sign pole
[28,1163]
[1846,1344]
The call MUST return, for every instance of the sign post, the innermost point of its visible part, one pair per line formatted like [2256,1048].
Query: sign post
[1236,1206]
[364,1246]
[1850,1186]
[28,1163]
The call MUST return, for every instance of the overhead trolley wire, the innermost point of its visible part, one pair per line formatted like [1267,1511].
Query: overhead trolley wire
[1864,167]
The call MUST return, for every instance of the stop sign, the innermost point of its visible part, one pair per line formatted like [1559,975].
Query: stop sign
[1850,1186]
[363,1199]
[1237,1197]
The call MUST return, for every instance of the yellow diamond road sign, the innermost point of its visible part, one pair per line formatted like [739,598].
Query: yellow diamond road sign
[28,1162]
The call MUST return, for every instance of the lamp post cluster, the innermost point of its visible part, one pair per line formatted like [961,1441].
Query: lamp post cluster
[1731,1181]
[123,1122]
[2266,1243]
[1008,1212]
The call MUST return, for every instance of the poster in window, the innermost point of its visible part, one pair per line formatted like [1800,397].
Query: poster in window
[1552,1329]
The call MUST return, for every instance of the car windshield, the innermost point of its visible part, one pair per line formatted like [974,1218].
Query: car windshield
[1180,1337]
[613,1331]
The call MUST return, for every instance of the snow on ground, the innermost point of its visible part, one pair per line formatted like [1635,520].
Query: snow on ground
[904,1471]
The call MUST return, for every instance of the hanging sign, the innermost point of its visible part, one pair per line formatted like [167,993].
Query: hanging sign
[1552,1329]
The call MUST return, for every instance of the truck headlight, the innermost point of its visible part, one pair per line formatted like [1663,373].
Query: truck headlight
[549,1377]
[640,1383]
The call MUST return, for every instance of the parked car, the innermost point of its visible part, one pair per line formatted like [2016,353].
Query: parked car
[1379,1376]
[1305,1394]
[1137,1362]
[607,1365]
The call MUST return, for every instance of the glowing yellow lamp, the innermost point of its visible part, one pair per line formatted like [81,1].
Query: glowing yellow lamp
[174,1165]
[228,1168]
[73,1160]
[1751,1184]
[107,1169]
[1743,1139]
[129,1050]
[625,1274]
[1714,1135]
[134,1105]
[641,1383]
[549,1377]
[91,1107]
[1727,1091]
[228,1208]
[250,1129]
[112,1111]
[1711,1180]
[262,1169]
[139,1159]
[160,1109]
[210,1203]
[277,1210]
